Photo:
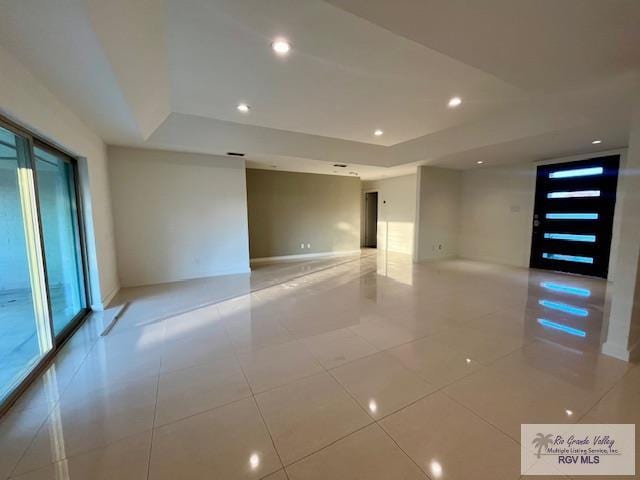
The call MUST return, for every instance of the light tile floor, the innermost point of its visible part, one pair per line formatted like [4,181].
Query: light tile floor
[372,369]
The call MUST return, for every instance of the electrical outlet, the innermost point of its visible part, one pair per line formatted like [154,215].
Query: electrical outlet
[302,245]
[308,245]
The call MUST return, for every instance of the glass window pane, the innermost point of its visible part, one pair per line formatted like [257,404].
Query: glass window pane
[572,216]
[577,172]
[59,218]
[577,194]
[24,333]
[567,258]
[572,237]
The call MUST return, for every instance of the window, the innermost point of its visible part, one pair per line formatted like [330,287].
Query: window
[571,237]
[571,216]
[567,258]
[577,172]
[575,194]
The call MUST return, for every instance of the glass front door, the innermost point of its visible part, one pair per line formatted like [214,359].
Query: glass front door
[42,287]
[573,216]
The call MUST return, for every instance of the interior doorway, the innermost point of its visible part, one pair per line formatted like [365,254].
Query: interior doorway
[573,216]
[371,219]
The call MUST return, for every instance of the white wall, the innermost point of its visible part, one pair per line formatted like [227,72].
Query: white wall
[496,211]
[178,215]
[623,329]
[396,212]
[25,100]
[438,209]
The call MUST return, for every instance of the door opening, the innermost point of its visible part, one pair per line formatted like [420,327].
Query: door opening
[573,216]
[371,220]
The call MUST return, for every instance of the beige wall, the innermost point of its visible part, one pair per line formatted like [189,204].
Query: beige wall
[396,212]
[289,209]
[177,215]
[438,210]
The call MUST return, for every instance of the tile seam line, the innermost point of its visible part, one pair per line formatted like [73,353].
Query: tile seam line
[264,422]
[50,411]
[155,415]
[324,447]
[324,371]
[329,371]
[83,452]
[376,422]
[305,377]
[605,393]
[482,418]
[78,454]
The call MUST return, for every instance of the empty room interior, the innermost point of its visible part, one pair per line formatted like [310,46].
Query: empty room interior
[319,239]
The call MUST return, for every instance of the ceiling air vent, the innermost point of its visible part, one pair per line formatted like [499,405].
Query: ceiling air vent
[340,165]
[235,154]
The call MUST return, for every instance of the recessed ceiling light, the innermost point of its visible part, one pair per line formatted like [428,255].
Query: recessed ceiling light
[479,162]
[281,47]
[244,108]
[378,132]
[596,142]
[454,102]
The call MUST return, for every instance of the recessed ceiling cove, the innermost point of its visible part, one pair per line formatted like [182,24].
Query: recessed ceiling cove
[536,78]
[344,77]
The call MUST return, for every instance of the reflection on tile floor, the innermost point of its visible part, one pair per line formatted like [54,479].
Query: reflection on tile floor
[373,369]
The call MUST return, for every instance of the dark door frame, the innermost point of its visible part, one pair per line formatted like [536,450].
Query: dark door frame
[367,242]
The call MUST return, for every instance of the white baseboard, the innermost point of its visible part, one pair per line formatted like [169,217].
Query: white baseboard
[436,259]
[219,273]
[105,301]
[616,351]
[304,256]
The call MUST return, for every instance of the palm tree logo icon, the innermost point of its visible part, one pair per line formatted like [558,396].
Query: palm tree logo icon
[542,441]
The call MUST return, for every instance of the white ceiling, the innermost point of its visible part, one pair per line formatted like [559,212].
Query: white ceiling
[538,78]
[344,78]
[539,45]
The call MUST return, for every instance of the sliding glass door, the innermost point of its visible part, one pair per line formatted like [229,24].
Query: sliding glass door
[59,216]
[42,288]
